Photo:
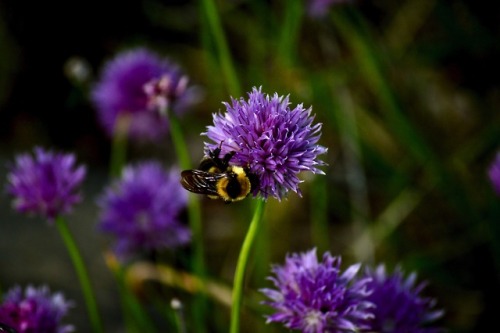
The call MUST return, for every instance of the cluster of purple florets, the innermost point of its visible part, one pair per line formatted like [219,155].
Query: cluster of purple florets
[34,310]
[142,210]
[136,90]
[317,296]
[273,140]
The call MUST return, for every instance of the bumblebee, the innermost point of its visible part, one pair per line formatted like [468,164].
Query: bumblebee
[217,179]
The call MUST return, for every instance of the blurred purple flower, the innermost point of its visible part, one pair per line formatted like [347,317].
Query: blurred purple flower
[274,141]
[35,310]
[141,85]
[319,8]
[142,210]
[316,297]
[47,184]
[399,307]
[494,174]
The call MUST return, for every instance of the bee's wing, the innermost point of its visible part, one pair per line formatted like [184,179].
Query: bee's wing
[201,182]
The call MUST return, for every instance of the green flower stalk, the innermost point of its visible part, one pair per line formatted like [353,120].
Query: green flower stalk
[47,184]
[81,272]
[132,95]
[139,97]
[272,143]
[239,276]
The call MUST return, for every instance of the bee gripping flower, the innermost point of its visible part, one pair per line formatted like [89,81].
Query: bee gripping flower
[142,210]
[315,296]
[47,183]
[274,141]
[35,310]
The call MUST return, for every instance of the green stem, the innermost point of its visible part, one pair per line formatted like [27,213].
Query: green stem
[194,213]
[262,248]
[119,146]
[81,271]
[180,145]
[242,264]
[215,26]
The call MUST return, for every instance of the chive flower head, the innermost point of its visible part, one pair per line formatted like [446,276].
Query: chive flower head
[142,210]
[46,183]
[317,296]
[273,140]
[35,310]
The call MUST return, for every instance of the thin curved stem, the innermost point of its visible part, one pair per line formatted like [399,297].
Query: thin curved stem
[239,275]
[82,274]
[119,145]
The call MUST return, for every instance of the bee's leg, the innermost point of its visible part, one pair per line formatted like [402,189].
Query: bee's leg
[216,152]
[227,158]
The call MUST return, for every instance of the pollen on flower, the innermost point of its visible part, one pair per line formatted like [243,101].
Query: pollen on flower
[162,91]
[313,321]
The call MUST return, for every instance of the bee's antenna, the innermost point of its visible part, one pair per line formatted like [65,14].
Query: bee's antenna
[216,152]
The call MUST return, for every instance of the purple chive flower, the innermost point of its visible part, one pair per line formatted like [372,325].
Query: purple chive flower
[47,183]
[494,174]
[142,210]
[315,297]
[319,8]
[35,310]
[274,141]
[140,86]
[399,306]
